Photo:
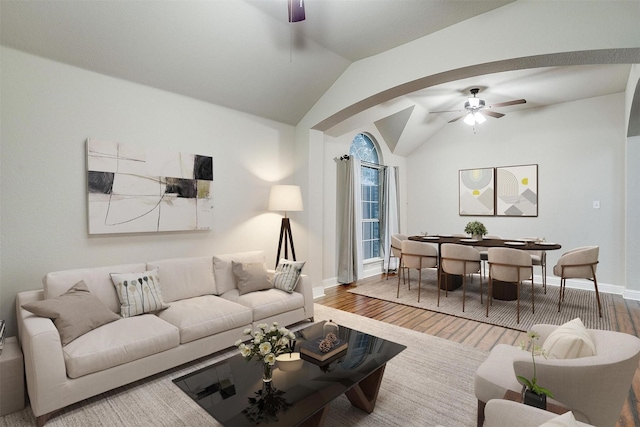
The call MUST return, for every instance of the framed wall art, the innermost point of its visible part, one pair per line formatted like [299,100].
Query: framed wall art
[517,190]
[476,192]
[132,189]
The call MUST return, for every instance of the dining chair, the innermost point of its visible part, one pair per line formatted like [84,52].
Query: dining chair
[539,258]
[417,255]
[484,254]
[578,263]
[458,260]
[396,251]
[511,266]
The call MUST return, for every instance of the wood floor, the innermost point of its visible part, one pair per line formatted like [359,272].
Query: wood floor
[625,315]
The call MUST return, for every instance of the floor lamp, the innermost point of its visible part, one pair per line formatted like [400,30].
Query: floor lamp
[287,198]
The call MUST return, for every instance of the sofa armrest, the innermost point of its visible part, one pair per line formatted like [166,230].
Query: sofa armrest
[43,357]
[305,287]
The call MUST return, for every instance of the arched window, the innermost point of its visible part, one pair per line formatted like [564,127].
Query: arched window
[363,148]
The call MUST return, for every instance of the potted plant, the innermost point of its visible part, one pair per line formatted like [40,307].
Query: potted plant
[476,229]
[534,395]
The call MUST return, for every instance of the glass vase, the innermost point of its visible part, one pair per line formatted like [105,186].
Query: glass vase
[267,372]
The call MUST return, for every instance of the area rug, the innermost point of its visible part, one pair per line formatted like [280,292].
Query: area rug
[577,303]
[428,384]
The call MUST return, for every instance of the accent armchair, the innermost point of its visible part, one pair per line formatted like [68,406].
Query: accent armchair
[594,388]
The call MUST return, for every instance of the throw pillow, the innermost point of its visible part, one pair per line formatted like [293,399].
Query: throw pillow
[565,420]
[569,341]
[74,313]
[287,274]
[250,276]
[138,292]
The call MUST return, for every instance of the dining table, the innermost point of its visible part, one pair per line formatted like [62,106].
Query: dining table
[501,291]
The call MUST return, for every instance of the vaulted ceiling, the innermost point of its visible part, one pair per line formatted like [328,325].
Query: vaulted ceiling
[245,55]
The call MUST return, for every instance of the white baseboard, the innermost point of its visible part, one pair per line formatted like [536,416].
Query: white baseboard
[586,285]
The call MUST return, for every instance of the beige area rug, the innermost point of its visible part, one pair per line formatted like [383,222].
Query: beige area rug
[428,384]
[577,302]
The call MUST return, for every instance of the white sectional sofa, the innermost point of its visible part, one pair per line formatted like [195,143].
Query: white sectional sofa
[206,313]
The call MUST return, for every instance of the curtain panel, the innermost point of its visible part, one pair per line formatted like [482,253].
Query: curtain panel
[390,215]
[349,211]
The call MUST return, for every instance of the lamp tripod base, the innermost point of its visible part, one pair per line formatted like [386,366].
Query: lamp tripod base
[287,238]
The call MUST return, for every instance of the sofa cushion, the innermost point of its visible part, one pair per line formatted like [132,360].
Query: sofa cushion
[250,276]
[569,341]
[206,315]
[138,293]
[119,342]
[74,313]
[287,275]
[97,280]
[182,278]
[267,303]
[225,281]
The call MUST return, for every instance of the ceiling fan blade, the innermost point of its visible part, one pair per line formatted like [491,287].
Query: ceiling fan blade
[456,119]
[507,103]
[492,114]
[446,111]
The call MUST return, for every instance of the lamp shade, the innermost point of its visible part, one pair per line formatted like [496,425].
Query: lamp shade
[286,198]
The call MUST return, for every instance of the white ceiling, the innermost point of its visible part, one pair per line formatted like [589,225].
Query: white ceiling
[245,55]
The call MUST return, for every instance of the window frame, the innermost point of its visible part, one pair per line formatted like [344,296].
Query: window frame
[366,222]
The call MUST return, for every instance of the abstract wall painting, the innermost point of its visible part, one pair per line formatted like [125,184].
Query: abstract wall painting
[133,190]
[517,190]
[476,190]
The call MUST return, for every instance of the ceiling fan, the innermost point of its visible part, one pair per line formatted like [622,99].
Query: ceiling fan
[475,109]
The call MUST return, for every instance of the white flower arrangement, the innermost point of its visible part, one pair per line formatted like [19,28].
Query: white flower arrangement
[267,342]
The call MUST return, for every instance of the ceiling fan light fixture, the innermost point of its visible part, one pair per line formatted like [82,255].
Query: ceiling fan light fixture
[469,119]
[479,118]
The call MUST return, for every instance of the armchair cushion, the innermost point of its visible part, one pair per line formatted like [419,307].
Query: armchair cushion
[565,420]
[569,341]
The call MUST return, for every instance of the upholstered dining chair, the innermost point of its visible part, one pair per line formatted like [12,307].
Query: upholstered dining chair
[419,256]
[512,266]
[578,263]
[594,388]
[458,260]
[484,251]
[539,258]
[396,251]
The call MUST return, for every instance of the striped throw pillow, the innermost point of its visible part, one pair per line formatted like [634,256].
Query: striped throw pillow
[287,274]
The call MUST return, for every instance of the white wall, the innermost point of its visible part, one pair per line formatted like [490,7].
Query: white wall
[49,109]
[579,148]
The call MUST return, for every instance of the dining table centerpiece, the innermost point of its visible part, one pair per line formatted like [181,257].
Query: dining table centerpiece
[533,394]
[476,229]
[265,344]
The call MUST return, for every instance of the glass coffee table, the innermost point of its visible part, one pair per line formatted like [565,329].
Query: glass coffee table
[232,391]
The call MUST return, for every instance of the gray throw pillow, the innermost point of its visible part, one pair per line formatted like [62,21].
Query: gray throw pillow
[74,313]
[250,277]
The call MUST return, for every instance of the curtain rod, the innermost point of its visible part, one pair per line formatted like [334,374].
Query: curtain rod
[362,162]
